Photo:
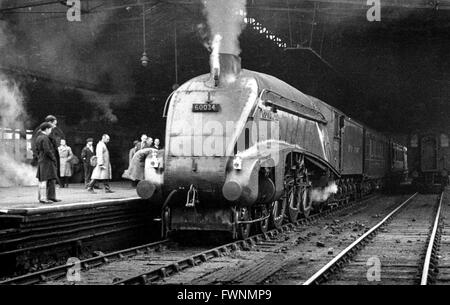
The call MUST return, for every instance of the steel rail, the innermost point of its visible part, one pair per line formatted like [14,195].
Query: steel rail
[335,261]
[431,250]
[55,272]
[199,258]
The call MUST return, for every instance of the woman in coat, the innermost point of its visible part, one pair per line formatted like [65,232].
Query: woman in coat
[65,157]
[102,171]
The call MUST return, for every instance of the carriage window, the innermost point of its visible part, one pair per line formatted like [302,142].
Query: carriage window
[444,140]
[414,141]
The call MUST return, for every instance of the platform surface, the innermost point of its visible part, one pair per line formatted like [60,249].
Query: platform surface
[25,198]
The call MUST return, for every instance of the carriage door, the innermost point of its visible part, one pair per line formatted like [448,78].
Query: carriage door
[337,140]
[429,153]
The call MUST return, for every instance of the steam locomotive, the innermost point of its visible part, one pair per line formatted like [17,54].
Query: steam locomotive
[245,151]
[429,159]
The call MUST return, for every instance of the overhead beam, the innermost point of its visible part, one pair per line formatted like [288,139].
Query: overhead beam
[275,5]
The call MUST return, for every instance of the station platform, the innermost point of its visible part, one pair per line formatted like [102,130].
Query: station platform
[23,200]
[81,223]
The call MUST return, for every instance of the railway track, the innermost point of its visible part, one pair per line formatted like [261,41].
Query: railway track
[61,271]
[400,249]
[152,262]
[441,265]
[37,240]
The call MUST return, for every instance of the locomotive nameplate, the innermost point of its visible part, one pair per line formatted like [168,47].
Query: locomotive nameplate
[205,107]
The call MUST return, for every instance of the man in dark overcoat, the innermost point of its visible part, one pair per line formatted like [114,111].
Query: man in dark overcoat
[47,165]
[55,137]
[86,155]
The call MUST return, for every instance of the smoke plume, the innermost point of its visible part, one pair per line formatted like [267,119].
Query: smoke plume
[65,51]
[104,103]
[215,63]
[225,20]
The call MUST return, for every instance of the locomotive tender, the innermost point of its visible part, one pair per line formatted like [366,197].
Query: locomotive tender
[245,151]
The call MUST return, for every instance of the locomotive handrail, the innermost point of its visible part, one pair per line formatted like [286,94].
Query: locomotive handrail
[165,110]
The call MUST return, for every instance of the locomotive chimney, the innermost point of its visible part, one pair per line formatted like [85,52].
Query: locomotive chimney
[228,69]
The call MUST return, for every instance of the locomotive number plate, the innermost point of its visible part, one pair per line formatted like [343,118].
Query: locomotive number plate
[205,107]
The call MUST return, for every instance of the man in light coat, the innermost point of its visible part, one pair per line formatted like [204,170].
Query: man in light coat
[102,171]
[65,166]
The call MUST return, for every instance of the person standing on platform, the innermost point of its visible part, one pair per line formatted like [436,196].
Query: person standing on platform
[47,165]
[55,137]
[65,169]
[86,155]
[102,171]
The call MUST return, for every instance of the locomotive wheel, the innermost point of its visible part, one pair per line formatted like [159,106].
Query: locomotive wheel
[277,213]
[263,226]
[305,202]
[293,205]
[243,230]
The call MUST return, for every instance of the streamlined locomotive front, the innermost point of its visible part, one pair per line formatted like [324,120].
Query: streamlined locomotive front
[204,121]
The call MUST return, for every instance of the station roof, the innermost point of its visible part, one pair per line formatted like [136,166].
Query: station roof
[390,69]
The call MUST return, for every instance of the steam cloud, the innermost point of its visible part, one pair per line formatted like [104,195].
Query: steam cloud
[153,176]
[322,194]
[225,20]
[11,104]
[13,173]
[12,115]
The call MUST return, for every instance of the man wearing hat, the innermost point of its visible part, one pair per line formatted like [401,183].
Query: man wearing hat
[55,137]
[47,168]
[86,155]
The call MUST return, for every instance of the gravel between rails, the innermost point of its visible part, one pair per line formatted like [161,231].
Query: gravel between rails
[292,256]
[281,260]
[395,255]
